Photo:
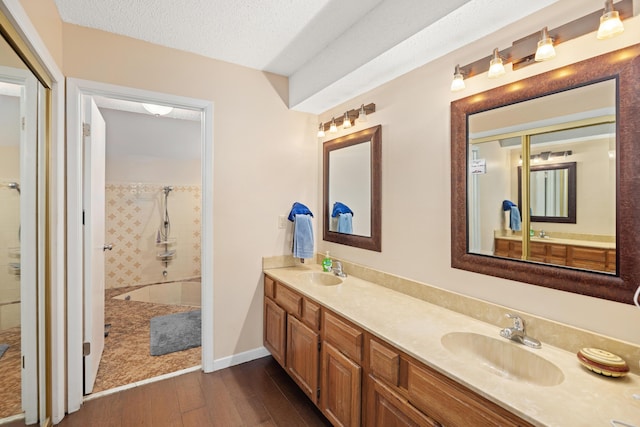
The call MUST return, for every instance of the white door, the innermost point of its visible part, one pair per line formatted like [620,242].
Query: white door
[94,132]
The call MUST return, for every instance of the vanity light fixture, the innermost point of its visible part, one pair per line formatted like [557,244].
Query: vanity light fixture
[362,115]
[534,48]
[157,110]
[610,23]
[458,80]
[333,128]
[496,67]
[545,50]
[346,122]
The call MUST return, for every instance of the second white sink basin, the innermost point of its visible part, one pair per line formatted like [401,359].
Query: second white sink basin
[320,278]
[503,358]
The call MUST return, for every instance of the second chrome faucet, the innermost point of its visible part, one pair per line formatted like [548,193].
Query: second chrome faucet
[517,333]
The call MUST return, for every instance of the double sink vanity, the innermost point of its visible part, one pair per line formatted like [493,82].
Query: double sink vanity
[370,353]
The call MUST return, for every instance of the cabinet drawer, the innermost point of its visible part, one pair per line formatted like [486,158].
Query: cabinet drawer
[450,404]
[311,314]
[269,287]
[558,251]
[384,363]
[289,300]
[343,335]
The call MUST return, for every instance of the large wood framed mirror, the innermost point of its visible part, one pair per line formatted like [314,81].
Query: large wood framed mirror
[606,266]
[351,189]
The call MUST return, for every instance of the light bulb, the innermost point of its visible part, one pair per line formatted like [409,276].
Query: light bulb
[610,23]
[458,80]
[362,115]
[496,69]
[545,49]
[333,128]
[346,124]
[321,131]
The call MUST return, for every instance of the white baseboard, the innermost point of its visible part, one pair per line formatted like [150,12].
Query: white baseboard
[239,358]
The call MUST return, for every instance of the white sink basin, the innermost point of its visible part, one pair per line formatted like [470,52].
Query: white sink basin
[503,358]
[320,278]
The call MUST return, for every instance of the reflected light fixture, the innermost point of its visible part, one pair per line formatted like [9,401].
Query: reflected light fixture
[496,68]
[362,115]
[346,123]
[458,80]
[320,131]
[157,110]
[610,23]
[333,128]
[545,50]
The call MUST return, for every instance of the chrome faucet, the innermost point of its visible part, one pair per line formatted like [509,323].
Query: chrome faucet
[542,234]
[337,269]
[517,333]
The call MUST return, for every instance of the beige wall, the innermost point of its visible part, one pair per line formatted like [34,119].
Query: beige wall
[264,160]
[414,111]
[45,18]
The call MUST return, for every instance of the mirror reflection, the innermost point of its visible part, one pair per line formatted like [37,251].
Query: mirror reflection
[564,212]
[18,150]
[350,189]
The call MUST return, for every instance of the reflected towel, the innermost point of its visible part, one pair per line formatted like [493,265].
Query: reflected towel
[514,221]
[340,208]
[302,236]
[345,223]
[299,209]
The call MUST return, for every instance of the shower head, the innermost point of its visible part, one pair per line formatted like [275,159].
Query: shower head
[14,186]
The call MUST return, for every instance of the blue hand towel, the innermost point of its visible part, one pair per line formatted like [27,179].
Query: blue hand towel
[302,236]
[340,208]
[299,209]
[515,222]
[345,223]
[514,219]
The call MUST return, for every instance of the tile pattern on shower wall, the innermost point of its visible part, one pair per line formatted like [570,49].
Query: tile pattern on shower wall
[9,255]
[134,214]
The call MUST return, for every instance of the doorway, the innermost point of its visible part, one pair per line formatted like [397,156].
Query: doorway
[142,192]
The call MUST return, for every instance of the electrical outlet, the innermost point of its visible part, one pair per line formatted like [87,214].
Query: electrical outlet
[282,221]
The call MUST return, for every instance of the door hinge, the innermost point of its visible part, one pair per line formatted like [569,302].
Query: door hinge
[22,362]
[86,348]
[83,217]
[318,394]
[319,345]
[22,121]
[86,129]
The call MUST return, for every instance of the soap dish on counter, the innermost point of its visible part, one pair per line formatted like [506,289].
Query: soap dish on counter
[603,362]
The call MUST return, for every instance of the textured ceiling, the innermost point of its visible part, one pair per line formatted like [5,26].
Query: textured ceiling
[331,50]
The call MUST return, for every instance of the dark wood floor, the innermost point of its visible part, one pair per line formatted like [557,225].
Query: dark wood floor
[257,393]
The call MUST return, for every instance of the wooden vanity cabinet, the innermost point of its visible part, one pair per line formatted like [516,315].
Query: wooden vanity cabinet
[598,259]
[292,343]
[341,388]
[356,379]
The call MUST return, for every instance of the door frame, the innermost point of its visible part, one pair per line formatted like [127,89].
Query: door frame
[76,88]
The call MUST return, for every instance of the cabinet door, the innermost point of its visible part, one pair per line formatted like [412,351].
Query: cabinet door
[387,409]
[341,388]
[275,330]
[303,356]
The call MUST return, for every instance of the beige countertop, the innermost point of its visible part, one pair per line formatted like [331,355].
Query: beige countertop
[563,241]
[416,327]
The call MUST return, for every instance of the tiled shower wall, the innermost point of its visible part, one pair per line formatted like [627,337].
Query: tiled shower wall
[134,213]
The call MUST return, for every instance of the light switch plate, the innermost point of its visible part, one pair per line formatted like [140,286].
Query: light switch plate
[282,221]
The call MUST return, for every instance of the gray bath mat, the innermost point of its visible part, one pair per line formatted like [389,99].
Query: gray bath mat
[175,332]
[3,348]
